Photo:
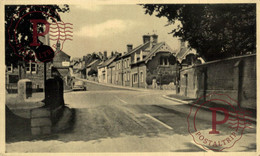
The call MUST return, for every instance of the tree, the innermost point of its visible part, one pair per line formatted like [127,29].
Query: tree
[14,14]
[216,31]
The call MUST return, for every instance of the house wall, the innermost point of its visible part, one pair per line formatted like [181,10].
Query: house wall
[168,72]
[119,72]
[102,74]
[126,71]
[235,77]
[59,58]
[109,75]
[140,80]
[36,78]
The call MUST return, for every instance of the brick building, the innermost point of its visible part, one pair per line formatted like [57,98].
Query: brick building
[35,71]
[153,64]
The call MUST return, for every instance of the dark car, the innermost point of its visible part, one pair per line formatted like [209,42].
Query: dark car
[79,85]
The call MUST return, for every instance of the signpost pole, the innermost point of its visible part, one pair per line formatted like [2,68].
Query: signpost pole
[44,80]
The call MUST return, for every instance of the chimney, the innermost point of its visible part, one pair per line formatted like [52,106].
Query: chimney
[105,54]
[129,47]
[112,54]
[146,38]
[58,46]
[155,38]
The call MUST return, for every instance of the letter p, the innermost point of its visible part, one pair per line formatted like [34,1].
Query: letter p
[35,33]
[214,119]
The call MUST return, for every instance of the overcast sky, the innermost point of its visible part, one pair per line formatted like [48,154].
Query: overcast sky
[111,27]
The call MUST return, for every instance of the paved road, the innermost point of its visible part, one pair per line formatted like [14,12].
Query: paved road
[110,119]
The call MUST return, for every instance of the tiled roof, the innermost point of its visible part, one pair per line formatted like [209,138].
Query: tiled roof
[93,62]
[183,52]
[153,52]
[113,64]
[108,62]
[135,49]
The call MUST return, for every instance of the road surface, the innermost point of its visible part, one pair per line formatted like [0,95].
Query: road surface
[110,119]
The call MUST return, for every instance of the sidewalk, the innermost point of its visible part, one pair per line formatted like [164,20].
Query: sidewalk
[206,106]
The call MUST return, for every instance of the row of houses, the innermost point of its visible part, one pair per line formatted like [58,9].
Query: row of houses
[151,64]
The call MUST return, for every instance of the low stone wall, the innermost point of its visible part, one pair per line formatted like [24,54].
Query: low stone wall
[41,121]
[45,121]
[170,86]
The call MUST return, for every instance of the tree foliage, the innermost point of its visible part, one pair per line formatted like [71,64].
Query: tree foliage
[216,31]
[22,14]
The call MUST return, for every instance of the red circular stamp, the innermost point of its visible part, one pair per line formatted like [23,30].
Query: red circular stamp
[216,122]
[37,33]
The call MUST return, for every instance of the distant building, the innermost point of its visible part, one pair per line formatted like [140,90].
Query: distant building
[91,70]
[103,69]
[79,69]
[61,64]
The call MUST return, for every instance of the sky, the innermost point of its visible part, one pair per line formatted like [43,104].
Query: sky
[98,28]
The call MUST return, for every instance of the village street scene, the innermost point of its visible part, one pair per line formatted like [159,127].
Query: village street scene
[120,85]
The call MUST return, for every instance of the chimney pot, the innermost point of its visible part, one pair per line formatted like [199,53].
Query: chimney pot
[129,47]
[155,38]
[146,38]
[105,54]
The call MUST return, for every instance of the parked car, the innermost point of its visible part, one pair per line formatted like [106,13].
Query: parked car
[79,85]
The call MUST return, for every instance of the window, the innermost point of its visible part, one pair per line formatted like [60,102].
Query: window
[27,68]
[31,67]
[104,76]
[164,61]
[135,78]
[128,76]
[9,68]
[142,76]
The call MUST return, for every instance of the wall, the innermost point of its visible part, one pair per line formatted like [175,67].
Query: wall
[235,77]
[137,69]
[102,74]
[126,71]
[168,71]
[118,71]
[59,58]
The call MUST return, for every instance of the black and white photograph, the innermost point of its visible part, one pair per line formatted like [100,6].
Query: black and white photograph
[129,77]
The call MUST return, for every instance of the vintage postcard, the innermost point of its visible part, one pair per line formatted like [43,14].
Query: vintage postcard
[129,77]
